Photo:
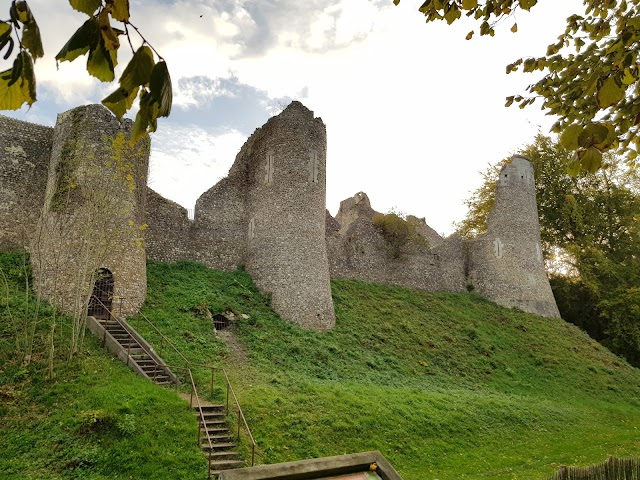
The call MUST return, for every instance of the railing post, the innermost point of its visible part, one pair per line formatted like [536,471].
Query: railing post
[253,453]
[227,407]
[238,423]
[199,430]
[191,397]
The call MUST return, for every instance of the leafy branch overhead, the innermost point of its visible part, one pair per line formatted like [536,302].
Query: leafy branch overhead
[592,78]
[99,39]
[18,83]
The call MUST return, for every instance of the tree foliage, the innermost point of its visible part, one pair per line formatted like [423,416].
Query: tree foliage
[593,222]
[592,79]
[144,77]
[399,233]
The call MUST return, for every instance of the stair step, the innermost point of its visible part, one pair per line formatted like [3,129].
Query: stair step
[225,464]
[217,446]
[215,439]
[225,454]
[217,431]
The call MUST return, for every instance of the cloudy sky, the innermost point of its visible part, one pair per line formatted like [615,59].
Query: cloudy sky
[413,111]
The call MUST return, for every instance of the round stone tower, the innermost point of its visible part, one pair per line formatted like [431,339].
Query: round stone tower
[286,250]
[506,262]
[91,225]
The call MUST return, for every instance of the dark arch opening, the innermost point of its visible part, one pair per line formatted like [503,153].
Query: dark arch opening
[220,322]
[101,301]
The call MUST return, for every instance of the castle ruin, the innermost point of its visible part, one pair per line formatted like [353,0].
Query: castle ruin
[268,216]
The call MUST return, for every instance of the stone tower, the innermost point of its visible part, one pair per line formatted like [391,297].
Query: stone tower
[286,252]
[506,263]
[93,213]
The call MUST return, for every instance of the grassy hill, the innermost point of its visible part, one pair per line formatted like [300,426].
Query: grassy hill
[95,419]
[446,386]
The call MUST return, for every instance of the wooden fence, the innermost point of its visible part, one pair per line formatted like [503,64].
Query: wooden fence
[610,469]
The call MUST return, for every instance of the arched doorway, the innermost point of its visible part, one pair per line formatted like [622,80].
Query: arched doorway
[101,301]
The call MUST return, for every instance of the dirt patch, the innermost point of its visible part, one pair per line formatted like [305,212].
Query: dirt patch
[238,353]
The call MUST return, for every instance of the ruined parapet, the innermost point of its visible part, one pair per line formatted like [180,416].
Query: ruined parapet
[168,235]
[93,212]
[506,263]
[358,250]
[285,229]
[353,208]
[24,159]
[220,225]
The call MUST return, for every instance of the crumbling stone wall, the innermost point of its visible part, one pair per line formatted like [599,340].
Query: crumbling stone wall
[267,215]
[506,263]
[24,159]
[168,232]
[358,250]
[93,211]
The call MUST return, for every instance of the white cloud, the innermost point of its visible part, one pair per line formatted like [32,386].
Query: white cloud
[186,161]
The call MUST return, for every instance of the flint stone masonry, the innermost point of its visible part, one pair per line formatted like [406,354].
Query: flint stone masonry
[505,263]
[24,159]
[93,209]
[268,216]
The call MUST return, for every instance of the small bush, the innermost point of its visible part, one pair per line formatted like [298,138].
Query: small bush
[400,235]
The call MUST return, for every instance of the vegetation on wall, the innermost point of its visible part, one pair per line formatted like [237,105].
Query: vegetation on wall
[400,234]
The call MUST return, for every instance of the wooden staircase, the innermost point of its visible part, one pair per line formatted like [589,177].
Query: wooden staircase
[214,436]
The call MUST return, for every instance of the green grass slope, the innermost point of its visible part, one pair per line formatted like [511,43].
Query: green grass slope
[95,419]
[446,386]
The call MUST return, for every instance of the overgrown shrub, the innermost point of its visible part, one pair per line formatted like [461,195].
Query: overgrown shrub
[400,235]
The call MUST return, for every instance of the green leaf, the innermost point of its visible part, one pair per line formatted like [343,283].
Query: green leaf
[452,15]
[120,101]
[23,11]
[84,39]
[160,88]
[592,134]
[138,70]
[101,63]
[109,36]
[527,4]
[86,6]
[609,139]
[573,168]
[590,159]
[610,93]
[142,120]
[5,29]
[119,10]
[469,4]
[15,92]
[569,138]
[31,39]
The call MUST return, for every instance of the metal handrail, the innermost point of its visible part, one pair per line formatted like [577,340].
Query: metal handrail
[194,391]
[240,415]
[104,336]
